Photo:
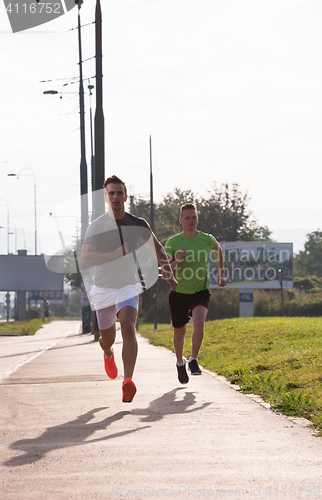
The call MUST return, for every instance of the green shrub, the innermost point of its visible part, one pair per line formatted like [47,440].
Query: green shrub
[297,302]
[308,284]
[223,304]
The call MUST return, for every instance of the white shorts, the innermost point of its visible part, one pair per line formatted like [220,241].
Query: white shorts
[109,301]
[106,317]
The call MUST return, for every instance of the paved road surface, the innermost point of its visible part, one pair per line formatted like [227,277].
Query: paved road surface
[65,433]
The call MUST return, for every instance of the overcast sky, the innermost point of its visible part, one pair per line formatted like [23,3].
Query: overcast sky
[229,90]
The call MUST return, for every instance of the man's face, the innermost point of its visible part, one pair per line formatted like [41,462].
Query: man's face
[115,196]
[189,219]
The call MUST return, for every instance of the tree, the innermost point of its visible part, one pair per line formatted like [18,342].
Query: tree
[70,259]
[308,262]
[224,213]
[166,213]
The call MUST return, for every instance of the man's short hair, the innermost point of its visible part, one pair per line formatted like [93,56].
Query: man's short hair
[114,180]
[188,206]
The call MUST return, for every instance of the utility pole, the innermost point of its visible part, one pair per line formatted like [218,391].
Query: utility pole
[83,163]
[99,164]
[154,287]
[86,308]
[98,170]
[280,276]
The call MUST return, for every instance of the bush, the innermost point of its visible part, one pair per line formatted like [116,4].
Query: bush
[296,303]
[59,310]
[33,314]
[223,304]
[163,313]
[305,299]
[74,309]
[308,284]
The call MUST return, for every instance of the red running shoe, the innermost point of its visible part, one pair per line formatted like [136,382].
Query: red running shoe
[110,366]
[129,390]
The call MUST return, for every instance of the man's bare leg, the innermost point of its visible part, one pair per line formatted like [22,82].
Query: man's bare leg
[199,317]
[127,317]
[107,339]
[178,342]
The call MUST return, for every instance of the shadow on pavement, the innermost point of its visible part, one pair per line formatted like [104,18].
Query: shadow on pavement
[168,405]
[77,432]
[74,433]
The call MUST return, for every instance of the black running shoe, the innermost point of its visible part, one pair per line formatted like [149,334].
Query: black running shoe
[182,374]
[194,367]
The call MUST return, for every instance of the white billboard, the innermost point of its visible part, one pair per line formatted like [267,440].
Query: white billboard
[254,265]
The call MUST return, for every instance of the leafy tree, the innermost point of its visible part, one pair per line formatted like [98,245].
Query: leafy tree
[309,284]
[308,262]
[166,213]
[75,279]
[224,213]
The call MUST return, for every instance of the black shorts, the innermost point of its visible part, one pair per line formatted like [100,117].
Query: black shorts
[182,305]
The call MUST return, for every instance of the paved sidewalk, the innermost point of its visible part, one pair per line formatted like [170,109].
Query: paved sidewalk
[65,433]
[16,350]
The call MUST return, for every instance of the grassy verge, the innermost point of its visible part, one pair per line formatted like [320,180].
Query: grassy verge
[29,327]
[279,359]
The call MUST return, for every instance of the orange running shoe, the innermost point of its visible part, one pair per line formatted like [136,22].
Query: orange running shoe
[129,390]
[110,366]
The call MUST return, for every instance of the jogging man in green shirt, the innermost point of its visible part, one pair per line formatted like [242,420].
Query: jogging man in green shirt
[188,255]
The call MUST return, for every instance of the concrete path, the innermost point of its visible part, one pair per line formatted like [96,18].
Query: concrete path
[65,433]
[16,350]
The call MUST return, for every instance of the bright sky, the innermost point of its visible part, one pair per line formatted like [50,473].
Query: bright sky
[230,91]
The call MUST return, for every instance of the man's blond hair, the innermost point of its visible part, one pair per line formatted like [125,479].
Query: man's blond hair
[187,206]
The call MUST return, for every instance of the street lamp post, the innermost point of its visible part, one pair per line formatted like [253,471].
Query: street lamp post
[99,166]
[83,163]
[35,196]
[86,308]
[1,200]
[154,288]
[67,217]
[7,294]
[24,237]
[15,233]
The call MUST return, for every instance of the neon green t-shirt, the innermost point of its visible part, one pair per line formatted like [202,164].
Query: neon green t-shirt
[191,274]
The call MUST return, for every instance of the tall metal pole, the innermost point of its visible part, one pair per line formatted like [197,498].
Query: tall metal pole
[83,164]
[35,208]
[99,165]
[7,223]
[98,170]
[280,276]
[151,189]
[86,308]
[35,196]
[154,288]
[90,88]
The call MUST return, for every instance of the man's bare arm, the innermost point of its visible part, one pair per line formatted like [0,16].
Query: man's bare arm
[163,261]
[220,264]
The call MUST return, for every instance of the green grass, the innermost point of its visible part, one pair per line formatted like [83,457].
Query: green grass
[279,359]
[28,327]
